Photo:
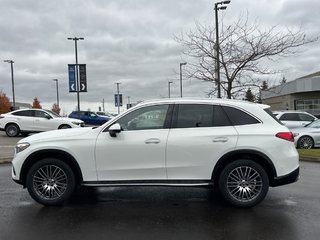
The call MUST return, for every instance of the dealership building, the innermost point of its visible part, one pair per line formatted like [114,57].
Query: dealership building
[301,94]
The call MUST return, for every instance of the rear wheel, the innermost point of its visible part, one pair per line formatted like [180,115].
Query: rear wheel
[12,130]
[50,182]
[243,183]
[305,142]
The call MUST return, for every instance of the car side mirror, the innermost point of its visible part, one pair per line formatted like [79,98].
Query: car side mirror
[114,129]
[48,117]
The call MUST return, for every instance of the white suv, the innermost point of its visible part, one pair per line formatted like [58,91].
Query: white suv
[27,121]
[236,146]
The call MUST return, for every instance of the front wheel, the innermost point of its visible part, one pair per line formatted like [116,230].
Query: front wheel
[12,130]
[50,182]
[243,183]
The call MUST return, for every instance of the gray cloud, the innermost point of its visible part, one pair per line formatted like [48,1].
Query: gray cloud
[127,41]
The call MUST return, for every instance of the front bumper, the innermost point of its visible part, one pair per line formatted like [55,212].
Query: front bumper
[286,179]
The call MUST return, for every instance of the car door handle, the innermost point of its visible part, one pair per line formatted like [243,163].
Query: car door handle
[220,139]
[152,140]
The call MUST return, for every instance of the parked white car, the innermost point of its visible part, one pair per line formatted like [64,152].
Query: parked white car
[236,146]
[294,119]
[27,121]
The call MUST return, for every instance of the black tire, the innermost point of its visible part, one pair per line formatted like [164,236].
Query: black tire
[50,182]
[64,126]
[305,142]
[243,183]
[12,130]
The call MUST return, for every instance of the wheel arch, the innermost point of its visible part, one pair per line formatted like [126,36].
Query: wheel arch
[253,155]
[51,153]
[64,124]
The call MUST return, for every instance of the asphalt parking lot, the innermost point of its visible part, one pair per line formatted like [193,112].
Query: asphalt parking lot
[288,212]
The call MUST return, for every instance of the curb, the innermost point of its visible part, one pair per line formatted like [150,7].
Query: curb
[5,160]
[306,159]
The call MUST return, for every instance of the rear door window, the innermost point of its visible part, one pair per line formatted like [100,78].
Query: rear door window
[199,115]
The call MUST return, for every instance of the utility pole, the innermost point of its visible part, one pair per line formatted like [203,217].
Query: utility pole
[12,80]
[57,83]
[169,88]
[103,105]
[75,39]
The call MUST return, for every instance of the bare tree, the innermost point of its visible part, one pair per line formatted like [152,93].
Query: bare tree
[242,46]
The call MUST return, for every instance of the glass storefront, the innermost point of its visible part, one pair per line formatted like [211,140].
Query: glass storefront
[309,105]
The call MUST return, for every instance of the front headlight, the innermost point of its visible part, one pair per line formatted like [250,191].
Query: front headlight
[21,146]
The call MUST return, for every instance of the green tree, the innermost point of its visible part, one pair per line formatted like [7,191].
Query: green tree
[249,96]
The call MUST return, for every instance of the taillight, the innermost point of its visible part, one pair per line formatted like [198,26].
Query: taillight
[286,136]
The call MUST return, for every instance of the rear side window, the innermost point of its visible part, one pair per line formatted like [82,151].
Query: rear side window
[290,117]
[306,117]
[199,115]
[25,113]
[239,117]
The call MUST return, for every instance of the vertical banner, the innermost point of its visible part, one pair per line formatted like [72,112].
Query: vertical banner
[72,78]
[118,100]
[83,78]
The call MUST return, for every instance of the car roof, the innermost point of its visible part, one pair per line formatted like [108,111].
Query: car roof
[204,100]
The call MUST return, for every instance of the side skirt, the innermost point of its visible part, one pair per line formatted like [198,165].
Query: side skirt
[195,183]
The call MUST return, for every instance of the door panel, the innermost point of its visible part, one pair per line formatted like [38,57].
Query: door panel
[132,155]
[138,151]
[193,152]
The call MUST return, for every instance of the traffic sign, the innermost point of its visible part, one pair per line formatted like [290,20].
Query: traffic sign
[72,78]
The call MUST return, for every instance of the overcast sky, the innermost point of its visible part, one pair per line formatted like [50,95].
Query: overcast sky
[127,41]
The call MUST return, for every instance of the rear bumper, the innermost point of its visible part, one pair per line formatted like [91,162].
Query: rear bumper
[286,179]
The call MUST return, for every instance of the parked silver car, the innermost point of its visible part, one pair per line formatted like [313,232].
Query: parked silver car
[308,136]
[294,119]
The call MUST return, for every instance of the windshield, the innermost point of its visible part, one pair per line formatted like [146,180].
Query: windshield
[53,114]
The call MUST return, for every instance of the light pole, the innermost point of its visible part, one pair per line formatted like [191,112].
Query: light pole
[169,88]
[57,87]
[216,8]
[75,39]
[181,64]
[12,79]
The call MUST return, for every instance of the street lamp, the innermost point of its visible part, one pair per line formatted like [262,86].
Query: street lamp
[216,8]
[181,64]
[75,39]
[169,87]
[12,79]
[57,83]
